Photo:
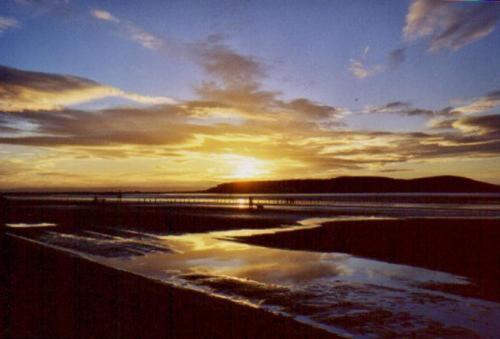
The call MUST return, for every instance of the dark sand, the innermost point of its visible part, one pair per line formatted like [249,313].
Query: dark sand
[467,247]
[50,294]
[165,219]
[47,293]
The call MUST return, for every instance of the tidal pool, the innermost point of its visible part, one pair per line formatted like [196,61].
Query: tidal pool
[344,294]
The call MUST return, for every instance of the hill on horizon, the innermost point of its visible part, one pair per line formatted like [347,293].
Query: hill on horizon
[360,184]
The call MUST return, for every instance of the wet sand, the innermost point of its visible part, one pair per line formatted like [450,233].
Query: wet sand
[45,293]
[49,294]
[70,215]
[467,247]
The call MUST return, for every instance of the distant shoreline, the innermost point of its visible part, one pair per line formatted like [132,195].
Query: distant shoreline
[346,184]
[437,184]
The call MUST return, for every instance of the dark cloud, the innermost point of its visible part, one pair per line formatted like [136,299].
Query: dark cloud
[485,124]
[26,90]
[310,109]
[450,25]
[448,111]
[232,68]
[480,105]
[390,107]
[442,124]
[41,81]
[466,26]
[477,105]
[402,108]
[113,126]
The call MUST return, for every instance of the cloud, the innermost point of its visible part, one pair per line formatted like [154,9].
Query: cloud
[478,105]
[253,103]
[270,124]
[482,104]
[358,68]
[466,27]
[449,25]
[423,17]
[103,15]
[24,90]
[130,30]
[360,71]
[402,108]
[222,63]
[441,123]
[165,135]
[101,128]
[38,100]
[311,109]
[235,85]
[288,134]
[128,132]
[10,168]
[7,23]
[143,38]
[482,125]
[391,107]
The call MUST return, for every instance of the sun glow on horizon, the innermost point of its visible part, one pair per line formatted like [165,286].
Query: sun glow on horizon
[246,167]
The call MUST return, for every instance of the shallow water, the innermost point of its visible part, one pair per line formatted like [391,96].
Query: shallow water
[26,225]
[341,293]
[414,204]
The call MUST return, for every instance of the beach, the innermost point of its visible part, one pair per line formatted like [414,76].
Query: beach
[128,270]
[460,246]
[48,294]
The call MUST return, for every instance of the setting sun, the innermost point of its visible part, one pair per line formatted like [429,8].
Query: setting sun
[247,168]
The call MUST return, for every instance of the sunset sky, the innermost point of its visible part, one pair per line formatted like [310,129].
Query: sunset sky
[187,94]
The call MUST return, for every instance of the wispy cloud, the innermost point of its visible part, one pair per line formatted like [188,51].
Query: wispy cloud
[402,108]
[474,106]
[360,70]
[449,25]
[143,38]
[7,23]
[130,30]
[103,15]
[479,125]
[24,90]
[482,104]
